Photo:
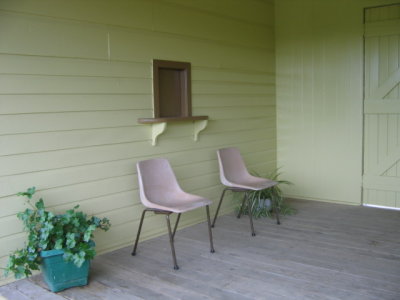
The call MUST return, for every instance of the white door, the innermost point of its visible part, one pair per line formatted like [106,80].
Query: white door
[381,178]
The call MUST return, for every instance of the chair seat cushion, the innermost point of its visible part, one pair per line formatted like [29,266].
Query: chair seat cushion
[180,203]
[253,183]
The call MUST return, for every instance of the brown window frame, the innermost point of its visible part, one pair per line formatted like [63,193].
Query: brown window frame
[184,69]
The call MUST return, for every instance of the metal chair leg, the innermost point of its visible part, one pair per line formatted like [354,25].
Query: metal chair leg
[250,206]
[171,241]
[276,210]
[219,206]
[241,207]
[176,225]
[138,233]
[209,229]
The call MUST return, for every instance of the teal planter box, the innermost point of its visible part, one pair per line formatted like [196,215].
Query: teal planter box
[59,274]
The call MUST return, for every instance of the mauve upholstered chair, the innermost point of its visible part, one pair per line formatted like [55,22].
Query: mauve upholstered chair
[235,177]
[160,193]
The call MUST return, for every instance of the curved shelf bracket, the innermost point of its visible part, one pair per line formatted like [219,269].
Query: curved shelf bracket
[198,127]
[159,125]
[156,130]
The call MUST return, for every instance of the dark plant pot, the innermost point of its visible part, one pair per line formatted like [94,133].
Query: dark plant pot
[59,274]
[265,203]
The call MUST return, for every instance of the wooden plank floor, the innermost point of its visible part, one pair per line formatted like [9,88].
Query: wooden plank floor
[325,251]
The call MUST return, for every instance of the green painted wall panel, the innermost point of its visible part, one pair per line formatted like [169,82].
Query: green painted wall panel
[75,76]
[41,65]
[49,37]
[133,13]
[382,98]
[211,27]
[319,56]
[256,13]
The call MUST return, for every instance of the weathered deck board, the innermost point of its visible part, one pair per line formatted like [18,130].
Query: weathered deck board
[325,251]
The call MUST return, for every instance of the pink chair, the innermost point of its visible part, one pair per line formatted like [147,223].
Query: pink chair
[235,177]
[161,194]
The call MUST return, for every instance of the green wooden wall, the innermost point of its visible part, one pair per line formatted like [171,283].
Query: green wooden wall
[76,75]
[319,69]
[381,180]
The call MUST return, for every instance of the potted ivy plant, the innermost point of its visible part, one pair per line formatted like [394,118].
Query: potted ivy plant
[59,244]
[264,201]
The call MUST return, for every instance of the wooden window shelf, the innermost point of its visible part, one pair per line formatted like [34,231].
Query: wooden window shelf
[159,125]
[170,119]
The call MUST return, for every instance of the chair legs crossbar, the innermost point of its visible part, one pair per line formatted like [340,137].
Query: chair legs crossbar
[246,201]
[171,233]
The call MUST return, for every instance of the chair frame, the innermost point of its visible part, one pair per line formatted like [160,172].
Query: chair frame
[171,233]
[174,192]
[245,197]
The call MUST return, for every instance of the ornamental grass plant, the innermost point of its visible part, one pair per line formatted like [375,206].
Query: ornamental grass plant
[264,201]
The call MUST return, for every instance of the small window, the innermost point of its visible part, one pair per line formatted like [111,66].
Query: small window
[172,89]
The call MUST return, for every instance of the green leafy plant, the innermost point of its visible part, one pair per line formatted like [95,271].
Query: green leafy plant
[71,232]
[265,201]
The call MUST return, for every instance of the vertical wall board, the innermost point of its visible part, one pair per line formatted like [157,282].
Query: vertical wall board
[319,54]
[382,70]
[75,77]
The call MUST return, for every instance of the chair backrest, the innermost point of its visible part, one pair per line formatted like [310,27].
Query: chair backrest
[157,181]
[232,168]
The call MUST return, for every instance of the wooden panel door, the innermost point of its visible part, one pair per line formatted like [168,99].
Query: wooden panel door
[381,178]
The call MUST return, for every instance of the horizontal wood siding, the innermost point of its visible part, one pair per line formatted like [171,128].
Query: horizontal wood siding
[76,76]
